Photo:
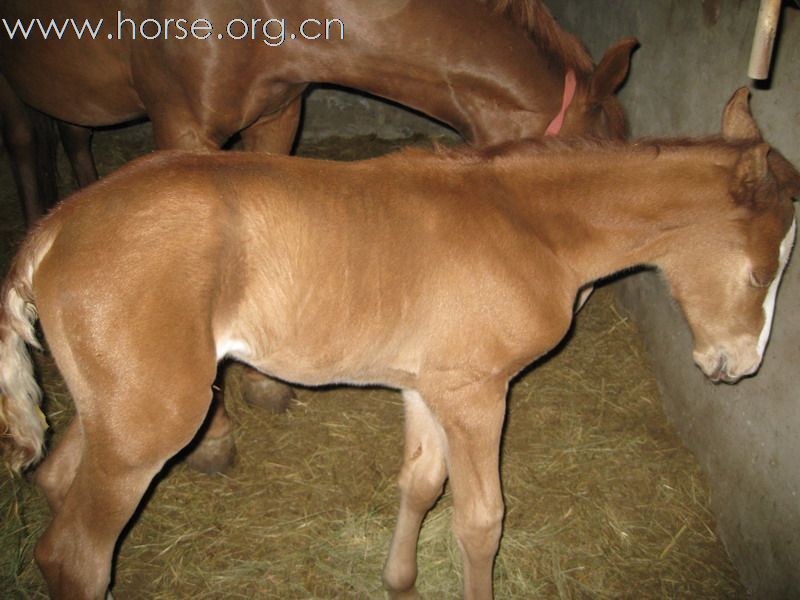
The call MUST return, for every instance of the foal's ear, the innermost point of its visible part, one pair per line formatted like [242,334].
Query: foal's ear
[785,174]
[737,122]
[751,173]
[612,70]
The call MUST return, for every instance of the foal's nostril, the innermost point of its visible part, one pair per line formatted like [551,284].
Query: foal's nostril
[719,373]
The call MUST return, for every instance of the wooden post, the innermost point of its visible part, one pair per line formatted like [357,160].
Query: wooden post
[766,27]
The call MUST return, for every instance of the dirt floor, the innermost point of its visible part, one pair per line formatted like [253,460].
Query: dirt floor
[602,500]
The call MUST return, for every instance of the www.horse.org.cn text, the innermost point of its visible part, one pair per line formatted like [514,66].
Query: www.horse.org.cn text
[272,31]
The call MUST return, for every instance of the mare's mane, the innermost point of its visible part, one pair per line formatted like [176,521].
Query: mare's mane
[535,18]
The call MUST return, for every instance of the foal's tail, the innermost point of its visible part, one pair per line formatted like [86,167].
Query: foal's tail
[22,423]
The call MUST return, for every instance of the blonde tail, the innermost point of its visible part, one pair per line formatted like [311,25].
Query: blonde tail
[22,423]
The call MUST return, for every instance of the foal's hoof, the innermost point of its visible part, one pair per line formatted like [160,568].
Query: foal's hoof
[266,393]
[213,455]
[411,594]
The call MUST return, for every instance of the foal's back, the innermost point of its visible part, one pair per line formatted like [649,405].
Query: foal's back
[320,269]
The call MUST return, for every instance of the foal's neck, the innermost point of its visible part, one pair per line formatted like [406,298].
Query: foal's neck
[606,211]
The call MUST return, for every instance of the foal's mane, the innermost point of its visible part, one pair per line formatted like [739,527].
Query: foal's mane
[782,177]
[553,145]
[535,18]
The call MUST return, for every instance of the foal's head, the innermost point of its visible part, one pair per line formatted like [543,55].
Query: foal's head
[728,288]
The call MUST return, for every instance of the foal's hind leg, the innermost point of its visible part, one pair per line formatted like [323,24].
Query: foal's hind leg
[421,479]
[57,472]
[136,407]
[126,443]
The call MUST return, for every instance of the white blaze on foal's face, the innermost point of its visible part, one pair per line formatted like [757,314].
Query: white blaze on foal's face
[728,359]
[769,300]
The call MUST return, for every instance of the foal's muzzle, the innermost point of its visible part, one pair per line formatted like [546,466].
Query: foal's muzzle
[724,366]
[721,373]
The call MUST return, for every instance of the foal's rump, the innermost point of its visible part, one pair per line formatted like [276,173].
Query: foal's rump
[102,259]
[152,264]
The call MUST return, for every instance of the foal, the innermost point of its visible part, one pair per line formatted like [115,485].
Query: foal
[441,275]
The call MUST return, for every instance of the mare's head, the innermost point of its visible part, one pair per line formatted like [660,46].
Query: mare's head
[727,283]
[595,110]
[556,90]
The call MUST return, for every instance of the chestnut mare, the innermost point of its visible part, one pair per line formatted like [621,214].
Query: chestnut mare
[496,70]
[442,275]
[464,62]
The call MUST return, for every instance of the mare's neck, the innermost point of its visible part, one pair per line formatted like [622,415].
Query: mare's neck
[602,212]
[456,61]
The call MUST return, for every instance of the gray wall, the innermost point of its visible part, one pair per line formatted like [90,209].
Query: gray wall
[747,437]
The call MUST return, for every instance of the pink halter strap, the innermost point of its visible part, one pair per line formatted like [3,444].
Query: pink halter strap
[570,84]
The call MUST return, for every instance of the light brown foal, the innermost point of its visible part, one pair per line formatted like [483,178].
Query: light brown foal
[439,274]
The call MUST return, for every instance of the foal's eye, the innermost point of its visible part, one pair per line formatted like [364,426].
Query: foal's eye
[760,278]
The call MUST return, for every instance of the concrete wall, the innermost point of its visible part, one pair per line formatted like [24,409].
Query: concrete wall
[747,437]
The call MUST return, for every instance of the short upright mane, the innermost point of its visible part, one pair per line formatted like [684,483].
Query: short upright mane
[535,18]
[553,145]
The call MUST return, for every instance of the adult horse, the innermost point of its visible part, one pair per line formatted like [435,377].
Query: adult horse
[495,70]
[491,76]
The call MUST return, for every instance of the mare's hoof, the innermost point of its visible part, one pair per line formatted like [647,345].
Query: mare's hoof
[213,455]
[263,392]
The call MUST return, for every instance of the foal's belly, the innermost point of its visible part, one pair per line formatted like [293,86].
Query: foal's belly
[304,364]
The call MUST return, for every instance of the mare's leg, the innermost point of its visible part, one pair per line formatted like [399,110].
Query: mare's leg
[216,450]
[77,143]
[265,392]
[274,133]
[472,418]
[421,479]
[30,140]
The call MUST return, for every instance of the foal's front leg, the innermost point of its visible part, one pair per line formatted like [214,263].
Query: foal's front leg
[472,418]
[456,432]
[421,479]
